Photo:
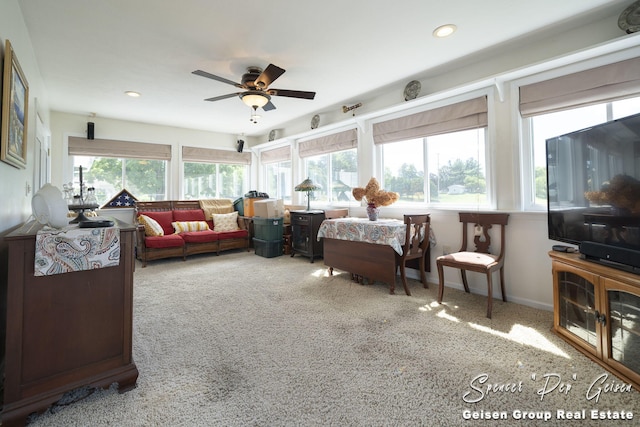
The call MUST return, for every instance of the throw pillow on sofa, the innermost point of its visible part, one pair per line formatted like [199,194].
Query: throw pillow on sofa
[184,226]
[151,226]
[225,222]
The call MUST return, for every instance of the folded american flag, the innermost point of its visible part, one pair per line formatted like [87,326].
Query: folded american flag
[123,199]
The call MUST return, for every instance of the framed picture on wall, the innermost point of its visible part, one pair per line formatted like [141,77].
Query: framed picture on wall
[15,108]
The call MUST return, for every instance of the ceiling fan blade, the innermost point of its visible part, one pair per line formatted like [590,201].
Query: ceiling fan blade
[218,98]
[218,78]
[292,93]
[267,77]
[268,106]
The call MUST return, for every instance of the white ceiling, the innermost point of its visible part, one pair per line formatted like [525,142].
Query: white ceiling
[91,51]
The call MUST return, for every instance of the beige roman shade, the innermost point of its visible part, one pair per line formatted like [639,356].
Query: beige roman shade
[597,85]
[340,141]
[281,154]
[471,114]
[119,149]
[210,155]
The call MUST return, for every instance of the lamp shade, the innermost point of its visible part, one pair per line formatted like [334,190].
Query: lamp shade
[307,185]
[254,98]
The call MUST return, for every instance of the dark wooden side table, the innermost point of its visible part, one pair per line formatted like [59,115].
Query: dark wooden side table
[304,232]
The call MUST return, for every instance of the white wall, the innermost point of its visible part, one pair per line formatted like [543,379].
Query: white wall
[17,185]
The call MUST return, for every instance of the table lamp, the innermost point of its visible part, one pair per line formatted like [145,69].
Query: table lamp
[308,186]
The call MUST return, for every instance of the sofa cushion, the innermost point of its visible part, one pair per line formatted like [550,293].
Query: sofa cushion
[184,226]
[238,234]
[225,222]
[189,215]
[164,218]
[151,226]
[200,236]
[167,241]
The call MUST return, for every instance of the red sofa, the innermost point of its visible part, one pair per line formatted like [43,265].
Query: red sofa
[172,244]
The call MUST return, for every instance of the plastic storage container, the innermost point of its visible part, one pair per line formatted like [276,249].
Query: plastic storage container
[267,248]
[238,205]
[268,228]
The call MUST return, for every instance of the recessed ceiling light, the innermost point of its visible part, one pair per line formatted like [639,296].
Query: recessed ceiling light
[444,30]
[132,93]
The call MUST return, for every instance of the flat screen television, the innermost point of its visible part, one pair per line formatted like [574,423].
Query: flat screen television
[593,189]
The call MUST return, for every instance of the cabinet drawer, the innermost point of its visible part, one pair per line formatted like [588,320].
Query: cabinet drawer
[300,219]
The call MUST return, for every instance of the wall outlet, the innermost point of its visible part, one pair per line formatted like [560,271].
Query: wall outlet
[446,250]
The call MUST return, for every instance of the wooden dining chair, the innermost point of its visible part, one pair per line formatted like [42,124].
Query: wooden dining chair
[475,228]
[416,246]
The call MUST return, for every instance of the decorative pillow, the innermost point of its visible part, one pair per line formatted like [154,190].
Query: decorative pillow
[151,226]
[225,222]
[182,226]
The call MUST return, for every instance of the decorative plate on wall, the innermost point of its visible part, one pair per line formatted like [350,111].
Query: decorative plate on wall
[272,135]
[411,90]
[315,121]
[629,19]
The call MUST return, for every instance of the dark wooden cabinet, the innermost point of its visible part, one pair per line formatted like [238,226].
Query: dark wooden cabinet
[65,331]
[304,232]
[596,308]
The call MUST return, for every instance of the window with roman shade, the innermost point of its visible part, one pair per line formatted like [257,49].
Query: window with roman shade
[569,103]
[210,173]
[331,161]
[109,166]
[437,156]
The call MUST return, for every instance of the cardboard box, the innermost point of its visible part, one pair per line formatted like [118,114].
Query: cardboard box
[268,208]
[248,205]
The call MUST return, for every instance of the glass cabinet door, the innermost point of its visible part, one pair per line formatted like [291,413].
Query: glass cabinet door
[577,312]
[623,326]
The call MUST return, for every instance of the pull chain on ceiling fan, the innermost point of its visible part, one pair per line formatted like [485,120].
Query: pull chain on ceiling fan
[256,83]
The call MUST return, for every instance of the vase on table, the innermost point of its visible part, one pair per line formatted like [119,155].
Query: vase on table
[372,212]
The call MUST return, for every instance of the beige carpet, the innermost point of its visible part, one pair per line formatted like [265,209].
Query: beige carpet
[241,340]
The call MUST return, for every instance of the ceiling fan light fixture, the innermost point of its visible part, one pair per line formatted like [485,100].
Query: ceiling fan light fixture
[444,30]
[255,99]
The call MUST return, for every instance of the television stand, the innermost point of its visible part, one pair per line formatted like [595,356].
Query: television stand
[592,307]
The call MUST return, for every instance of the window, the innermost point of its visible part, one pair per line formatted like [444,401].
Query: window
[278,180]
[145,179]
[277,173]
[444,170]
[544,126]
[336,173]
[214,180]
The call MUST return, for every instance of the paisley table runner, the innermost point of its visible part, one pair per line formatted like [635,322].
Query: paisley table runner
[75,249]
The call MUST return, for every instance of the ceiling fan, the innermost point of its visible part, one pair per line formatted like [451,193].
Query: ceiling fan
[256,84]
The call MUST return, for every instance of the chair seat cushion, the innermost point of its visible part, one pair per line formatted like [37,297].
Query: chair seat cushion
[203,236]
[472,258]
[166,241]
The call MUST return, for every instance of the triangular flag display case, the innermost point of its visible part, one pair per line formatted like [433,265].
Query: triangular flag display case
[123,199]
